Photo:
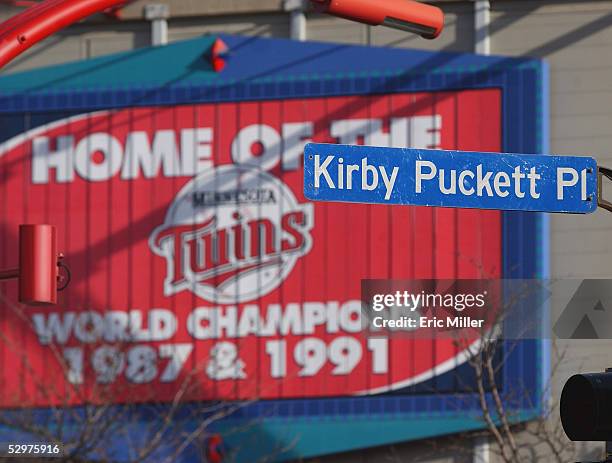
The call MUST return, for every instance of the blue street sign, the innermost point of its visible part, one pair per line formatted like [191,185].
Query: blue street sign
[367,174]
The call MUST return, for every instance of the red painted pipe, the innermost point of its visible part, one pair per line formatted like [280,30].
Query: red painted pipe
[37,264]
[424,20]
[44,19]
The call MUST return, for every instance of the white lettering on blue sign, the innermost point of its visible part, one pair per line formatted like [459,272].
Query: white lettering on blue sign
[369,175]
[501,184]
[502,181]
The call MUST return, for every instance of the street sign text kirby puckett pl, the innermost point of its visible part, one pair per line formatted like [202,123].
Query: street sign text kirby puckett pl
[367,174]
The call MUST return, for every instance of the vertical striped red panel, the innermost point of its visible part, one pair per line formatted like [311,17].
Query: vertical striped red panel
[220,279]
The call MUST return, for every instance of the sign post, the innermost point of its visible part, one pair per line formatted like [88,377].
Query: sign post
[458,179]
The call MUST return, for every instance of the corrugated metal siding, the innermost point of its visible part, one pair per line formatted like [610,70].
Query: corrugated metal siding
[106,227]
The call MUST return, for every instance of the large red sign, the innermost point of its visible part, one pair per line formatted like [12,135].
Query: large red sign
[199,268]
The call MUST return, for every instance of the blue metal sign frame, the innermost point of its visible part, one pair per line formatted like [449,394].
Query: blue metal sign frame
[261,69]
[462,179]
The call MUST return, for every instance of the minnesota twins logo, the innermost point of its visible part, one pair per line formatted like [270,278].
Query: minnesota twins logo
[232,234]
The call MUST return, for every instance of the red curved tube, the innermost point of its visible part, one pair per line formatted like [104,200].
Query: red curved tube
[424,20]
[44,19]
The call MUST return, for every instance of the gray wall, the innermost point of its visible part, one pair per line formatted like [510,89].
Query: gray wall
[576,40]
[575,37]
